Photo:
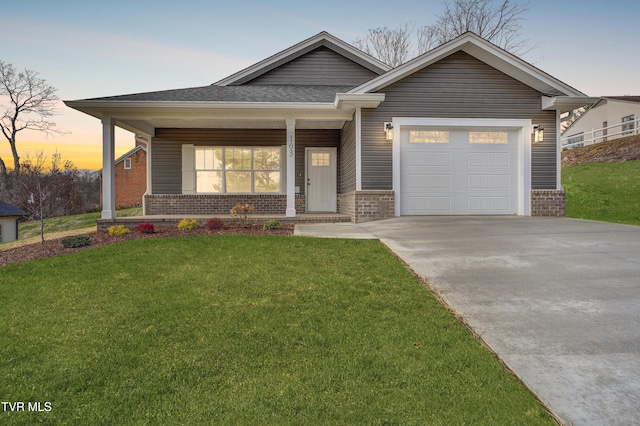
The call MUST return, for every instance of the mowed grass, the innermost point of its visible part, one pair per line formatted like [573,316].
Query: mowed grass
[68,223]
[608,192]
[243,330]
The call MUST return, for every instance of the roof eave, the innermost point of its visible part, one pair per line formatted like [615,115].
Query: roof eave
[566,103]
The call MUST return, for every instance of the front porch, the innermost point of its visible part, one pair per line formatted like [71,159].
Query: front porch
[173,220]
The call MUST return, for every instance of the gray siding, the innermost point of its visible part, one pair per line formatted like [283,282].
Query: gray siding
[458,86]
[348,157]
[167,149]
[321,66]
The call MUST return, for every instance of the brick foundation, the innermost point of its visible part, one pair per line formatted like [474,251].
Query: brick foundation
[211,204]
[547,202]
[367,206]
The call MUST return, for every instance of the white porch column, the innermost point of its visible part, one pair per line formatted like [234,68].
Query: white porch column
[108,169]
[291,167]
[149,186]
[358,148]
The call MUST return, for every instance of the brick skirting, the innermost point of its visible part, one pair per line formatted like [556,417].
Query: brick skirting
[547,202]
[366,206]
[172,204]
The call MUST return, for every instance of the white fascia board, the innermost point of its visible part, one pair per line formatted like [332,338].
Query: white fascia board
[291,51]
[352,100]
[468,43]
[177,105]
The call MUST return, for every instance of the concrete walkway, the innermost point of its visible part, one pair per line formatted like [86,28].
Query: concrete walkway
[557,299]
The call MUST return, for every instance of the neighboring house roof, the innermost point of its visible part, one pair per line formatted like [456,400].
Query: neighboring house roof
[252,93]
[128,154]
[9,210]
[624,98]
[321,39]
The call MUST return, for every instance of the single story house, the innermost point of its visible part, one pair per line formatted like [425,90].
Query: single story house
[464,129]
[130,175]
[610,117]
[9,216]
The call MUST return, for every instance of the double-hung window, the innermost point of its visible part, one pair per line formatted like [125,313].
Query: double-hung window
[628,123]
[233,170]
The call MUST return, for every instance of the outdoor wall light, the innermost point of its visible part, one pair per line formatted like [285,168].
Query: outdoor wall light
[388,131]
[538,133]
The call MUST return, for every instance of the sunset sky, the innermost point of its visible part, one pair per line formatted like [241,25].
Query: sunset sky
[89,49]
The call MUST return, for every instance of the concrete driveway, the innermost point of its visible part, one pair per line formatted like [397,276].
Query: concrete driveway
[557,299]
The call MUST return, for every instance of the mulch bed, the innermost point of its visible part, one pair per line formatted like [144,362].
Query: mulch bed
[53,247]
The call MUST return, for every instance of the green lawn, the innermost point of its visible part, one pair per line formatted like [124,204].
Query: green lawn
[68,223]
[243,330]
[603,191]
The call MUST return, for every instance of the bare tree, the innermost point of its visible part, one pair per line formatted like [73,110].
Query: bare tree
[391,46]
[497,22]
[30,104]
[46,191]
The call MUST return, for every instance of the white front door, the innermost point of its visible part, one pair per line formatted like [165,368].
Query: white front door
[321,179]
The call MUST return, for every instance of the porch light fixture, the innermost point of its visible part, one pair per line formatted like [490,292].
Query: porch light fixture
[388,131]
[538,133]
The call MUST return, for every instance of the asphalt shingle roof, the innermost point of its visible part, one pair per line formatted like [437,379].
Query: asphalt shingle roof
[9,210]
[624,98]
[246,93]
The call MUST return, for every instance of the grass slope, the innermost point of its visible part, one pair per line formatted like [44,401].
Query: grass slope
[603,191]
[243,330]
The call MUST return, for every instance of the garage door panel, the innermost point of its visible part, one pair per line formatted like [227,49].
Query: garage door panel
[419,181]
[434,205]
[489,205]
[429,159]
[489,159]
[489,182]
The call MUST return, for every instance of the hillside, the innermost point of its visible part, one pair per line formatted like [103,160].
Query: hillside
[615,151]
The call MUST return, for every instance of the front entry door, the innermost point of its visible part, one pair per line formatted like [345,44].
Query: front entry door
[322,179]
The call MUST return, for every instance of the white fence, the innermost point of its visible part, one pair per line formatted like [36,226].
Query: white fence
[627,128]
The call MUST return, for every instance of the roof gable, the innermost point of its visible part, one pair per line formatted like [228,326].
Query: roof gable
[321,66]
[484,51]
[322,39]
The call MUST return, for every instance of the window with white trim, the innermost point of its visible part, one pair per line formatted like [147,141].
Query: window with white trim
[127,163]
[628,123]
[428,136]
[490,138]
[226,170]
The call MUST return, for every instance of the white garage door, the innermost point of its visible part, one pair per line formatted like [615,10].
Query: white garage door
[450,170]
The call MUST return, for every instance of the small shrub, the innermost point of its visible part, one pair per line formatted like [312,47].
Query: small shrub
[242,212]
[146,228]
[117,230]
[186,224]
[76,241]
[213,224]
[271,224]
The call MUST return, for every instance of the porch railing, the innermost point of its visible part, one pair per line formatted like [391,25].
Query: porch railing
[604,134]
